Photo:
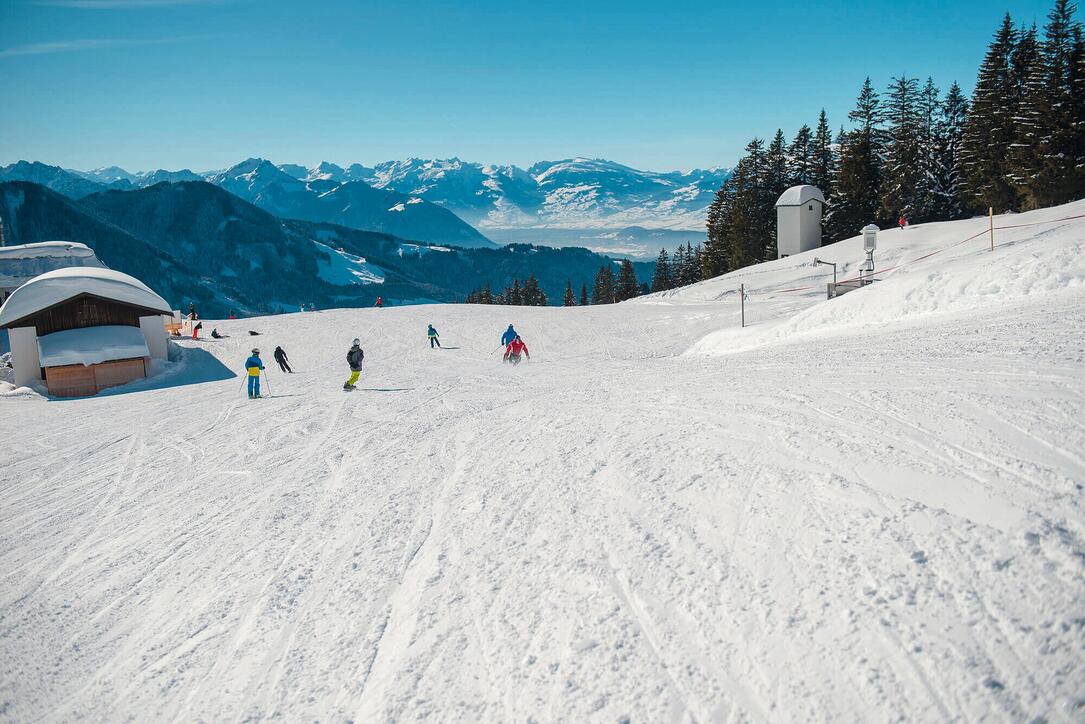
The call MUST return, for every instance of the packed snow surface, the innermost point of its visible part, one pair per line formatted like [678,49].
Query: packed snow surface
[874,514]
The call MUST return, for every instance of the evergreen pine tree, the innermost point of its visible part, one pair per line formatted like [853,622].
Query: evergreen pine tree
[748,208]
[584,294]
[1057,171]
[515,297]
[929,119]
[857,186]
[901,171]
[603,293]
[1031,116]
[570,298]
[800,158]
[949,134]
[823,163]
[678,266]
[661,279]
[627,286]
[989,129]
[1075,150]
[714,260]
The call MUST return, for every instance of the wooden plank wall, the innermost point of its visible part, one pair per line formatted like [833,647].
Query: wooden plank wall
[80,381]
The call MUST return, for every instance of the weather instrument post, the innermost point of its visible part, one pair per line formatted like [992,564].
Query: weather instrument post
[991,224]
[870,243]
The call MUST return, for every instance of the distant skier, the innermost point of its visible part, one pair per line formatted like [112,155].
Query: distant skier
[215,334]
[354,359]
[280,357]
[380,303]
[192,311]
[515,348]
[255,366]
[232,314]
[196,330]
[508,336]
[903,222]
[434,338]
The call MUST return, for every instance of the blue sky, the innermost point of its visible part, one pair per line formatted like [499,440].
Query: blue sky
[658,85]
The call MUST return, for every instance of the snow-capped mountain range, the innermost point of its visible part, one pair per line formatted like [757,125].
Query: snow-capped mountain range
[576,193]
[594,203]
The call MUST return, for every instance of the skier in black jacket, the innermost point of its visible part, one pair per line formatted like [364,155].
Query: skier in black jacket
[280,357]
[354,359]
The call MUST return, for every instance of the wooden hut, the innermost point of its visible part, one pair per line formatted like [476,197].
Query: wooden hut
[83,329]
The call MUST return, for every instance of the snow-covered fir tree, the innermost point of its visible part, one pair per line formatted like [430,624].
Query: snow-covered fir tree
[800,157]
[627,286]
[858,182]
[570,298]
[990,129]
[661,278]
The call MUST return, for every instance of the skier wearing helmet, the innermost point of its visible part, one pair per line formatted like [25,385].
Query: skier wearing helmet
[354,359]
[254,366]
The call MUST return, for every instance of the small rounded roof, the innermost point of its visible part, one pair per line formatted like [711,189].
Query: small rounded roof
[799,195]
[45,249]
[58,286]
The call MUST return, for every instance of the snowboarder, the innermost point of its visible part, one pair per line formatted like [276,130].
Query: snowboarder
[515,349]
[508,336]
[215,334]
[380,303]
[434,338]
[354,359]
[255,366]
[280,357]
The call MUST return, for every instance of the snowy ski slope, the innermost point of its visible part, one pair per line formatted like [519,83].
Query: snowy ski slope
[864,509]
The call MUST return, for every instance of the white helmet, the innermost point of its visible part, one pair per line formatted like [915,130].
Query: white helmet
[256,350]
[357,342]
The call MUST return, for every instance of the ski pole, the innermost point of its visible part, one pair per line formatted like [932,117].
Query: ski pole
[243,380]
[266,382]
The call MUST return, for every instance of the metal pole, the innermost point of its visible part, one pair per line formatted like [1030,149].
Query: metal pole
[266,383]
[742,296]
[991,218]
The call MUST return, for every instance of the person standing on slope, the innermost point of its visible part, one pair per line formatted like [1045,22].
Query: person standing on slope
[255,366]
[434,338]
[508,336]
[380,302]
[280,357]
[515,349]
[354,359]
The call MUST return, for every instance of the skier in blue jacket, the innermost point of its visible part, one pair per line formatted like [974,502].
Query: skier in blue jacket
[254,366]
[508,336]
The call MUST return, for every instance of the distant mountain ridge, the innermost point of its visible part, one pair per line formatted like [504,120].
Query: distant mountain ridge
[194,241]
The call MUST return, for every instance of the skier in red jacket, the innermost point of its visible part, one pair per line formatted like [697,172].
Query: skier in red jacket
[515,349]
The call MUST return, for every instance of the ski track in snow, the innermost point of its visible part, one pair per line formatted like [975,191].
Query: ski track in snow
[884,525]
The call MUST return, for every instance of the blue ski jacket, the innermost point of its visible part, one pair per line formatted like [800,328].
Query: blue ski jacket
[432,332]
[254,364]
[508,336]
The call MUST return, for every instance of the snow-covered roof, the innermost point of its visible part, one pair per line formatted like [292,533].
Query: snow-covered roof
[45,249]
[799,195]
[91,345]
[55,287]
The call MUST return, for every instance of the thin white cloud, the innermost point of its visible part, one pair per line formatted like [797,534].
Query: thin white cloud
[70,46]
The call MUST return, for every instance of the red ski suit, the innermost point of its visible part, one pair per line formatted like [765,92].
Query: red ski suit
[516,348]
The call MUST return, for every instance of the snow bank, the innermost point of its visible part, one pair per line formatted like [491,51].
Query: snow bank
[91,345]
[933,274]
